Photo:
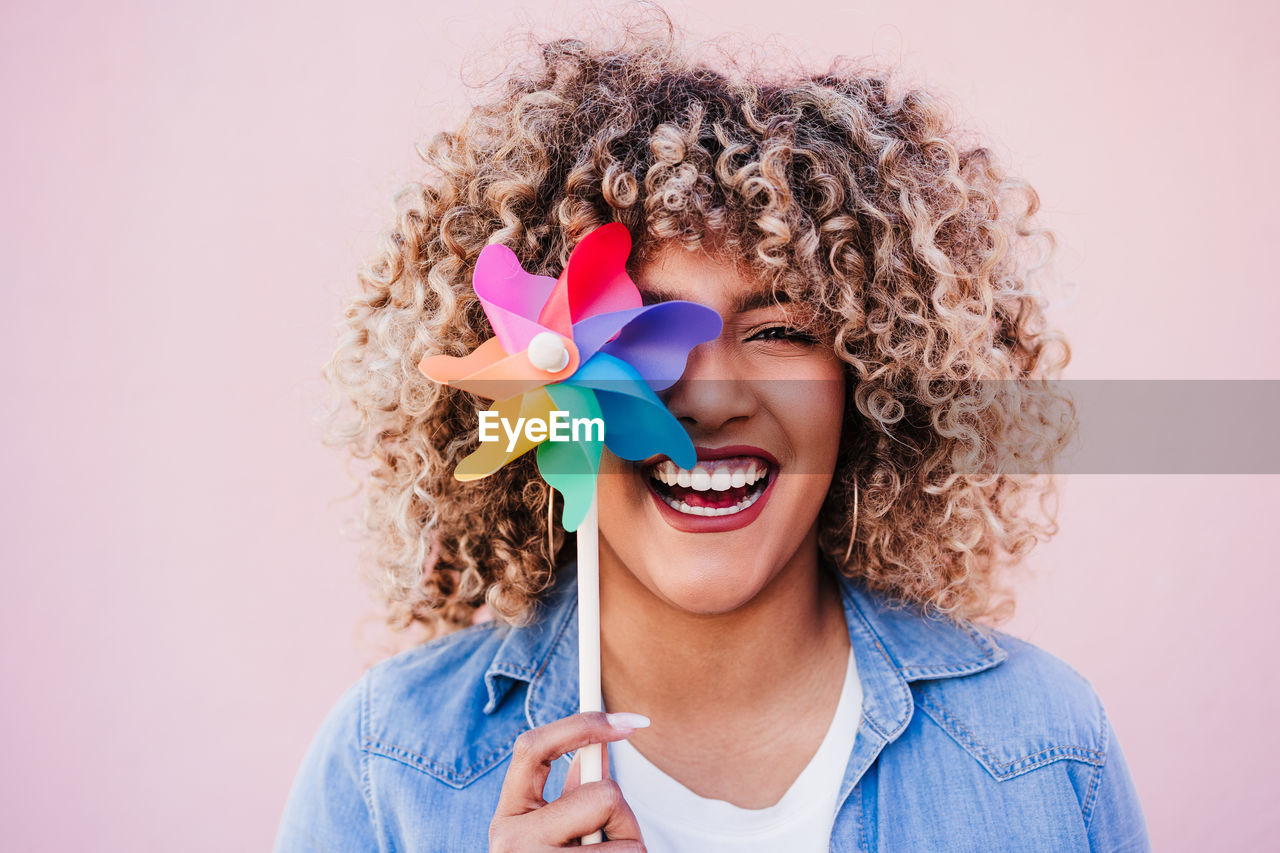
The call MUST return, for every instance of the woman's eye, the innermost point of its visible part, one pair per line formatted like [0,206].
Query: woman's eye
[783,333]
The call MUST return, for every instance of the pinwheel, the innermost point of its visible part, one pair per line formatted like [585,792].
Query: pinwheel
[582,344]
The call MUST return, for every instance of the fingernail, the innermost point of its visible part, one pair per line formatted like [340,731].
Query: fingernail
[626,721]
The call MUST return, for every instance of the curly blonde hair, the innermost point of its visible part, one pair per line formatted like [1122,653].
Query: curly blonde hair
[868,205]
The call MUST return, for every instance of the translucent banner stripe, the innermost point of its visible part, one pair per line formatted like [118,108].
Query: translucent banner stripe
[1175,426]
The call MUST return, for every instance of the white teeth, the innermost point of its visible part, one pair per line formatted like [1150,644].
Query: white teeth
[713,511]
[717,475]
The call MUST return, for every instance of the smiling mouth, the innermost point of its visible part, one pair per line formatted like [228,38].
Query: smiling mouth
[713,487]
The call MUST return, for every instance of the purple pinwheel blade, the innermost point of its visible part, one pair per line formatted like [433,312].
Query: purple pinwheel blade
[654,339]
[594,332]
[657,343]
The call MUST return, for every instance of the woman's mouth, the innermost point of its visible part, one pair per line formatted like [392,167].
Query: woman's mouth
[714,487]
[726,490]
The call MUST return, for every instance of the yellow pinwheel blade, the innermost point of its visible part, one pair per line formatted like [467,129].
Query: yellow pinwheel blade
[492,455]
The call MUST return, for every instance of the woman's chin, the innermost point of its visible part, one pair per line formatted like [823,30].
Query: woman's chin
[705,587]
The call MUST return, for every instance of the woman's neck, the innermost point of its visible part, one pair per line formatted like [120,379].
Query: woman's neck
[734,674]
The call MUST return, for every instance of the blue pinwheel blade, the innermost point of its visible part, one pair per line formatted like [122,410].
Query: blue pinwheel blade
[642,428]
[637,424]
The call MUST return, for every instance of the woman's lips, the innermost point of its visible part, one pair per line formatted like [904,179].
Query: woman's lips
[726,490]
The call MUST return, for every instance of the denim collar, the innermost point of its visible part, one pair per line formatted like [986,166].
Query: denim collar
[893,646]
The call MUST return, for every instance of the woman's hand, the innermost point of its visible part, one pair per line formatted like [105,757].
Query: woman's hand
[525,821]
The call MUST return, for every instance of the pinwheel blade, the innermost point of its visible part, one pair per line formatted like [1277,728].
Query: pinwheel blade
[511,297]
[571,466]
[637,424]
[492,455]
[595,280]
[655,339]
[644,427]
[514,375]
[446,368]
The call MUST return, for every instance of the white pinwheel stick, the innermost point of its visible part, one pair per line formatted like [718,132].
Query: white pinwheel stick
[590,759]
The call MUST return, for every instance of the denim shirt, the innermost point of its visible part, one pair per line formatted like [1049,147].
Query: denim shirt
[965,743]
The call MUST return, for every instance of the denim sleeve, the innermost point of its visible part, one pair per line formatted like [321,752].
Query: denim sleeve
[329,806]
[1114,815]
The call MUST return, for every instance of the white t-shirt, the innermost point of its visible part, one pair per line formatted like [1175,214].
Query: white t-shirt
[673,818]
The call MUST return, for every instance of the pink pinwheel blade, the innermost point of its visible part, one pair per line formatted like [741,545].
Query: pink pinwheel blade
[512,298]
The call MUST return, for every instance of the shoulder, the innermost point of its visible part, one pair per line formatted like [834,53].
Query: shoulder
[431,707]
[333,802]
[438,681]
[453,707]
[397,747]
[1030,710]
[440,667]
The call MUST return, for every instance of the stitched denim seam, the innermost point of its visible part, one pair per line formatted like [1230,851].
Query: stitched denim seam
[507,670]
[1006,770]
[1096,782]
[929,703]
[990,655]
[912,672]
[885,653]
[423,764]
[553,646]
[1051,753]
[366,777]
[985,643]
[413,759]
[478,766]
[875,639]
[864,843]
[515,669]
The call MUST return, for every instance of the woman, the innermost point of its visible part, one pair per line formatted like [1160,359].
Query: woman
[792,648]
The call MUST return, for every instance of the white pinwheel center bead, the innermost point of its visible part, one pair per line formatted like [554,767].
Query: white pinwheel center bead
[548,352]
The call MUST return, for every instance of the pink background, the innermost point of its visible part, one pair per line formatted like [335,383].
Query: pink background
[186,196]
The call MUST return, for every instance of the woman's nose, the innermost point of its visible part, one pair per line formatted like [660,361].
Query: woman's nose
[710,393]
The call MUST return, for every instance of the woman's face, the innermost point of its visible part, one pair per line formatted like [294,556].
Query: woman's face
[763,404]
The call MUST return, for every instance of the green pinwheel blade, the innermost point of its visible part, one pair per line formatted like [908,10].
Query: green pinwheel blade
[571,466]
